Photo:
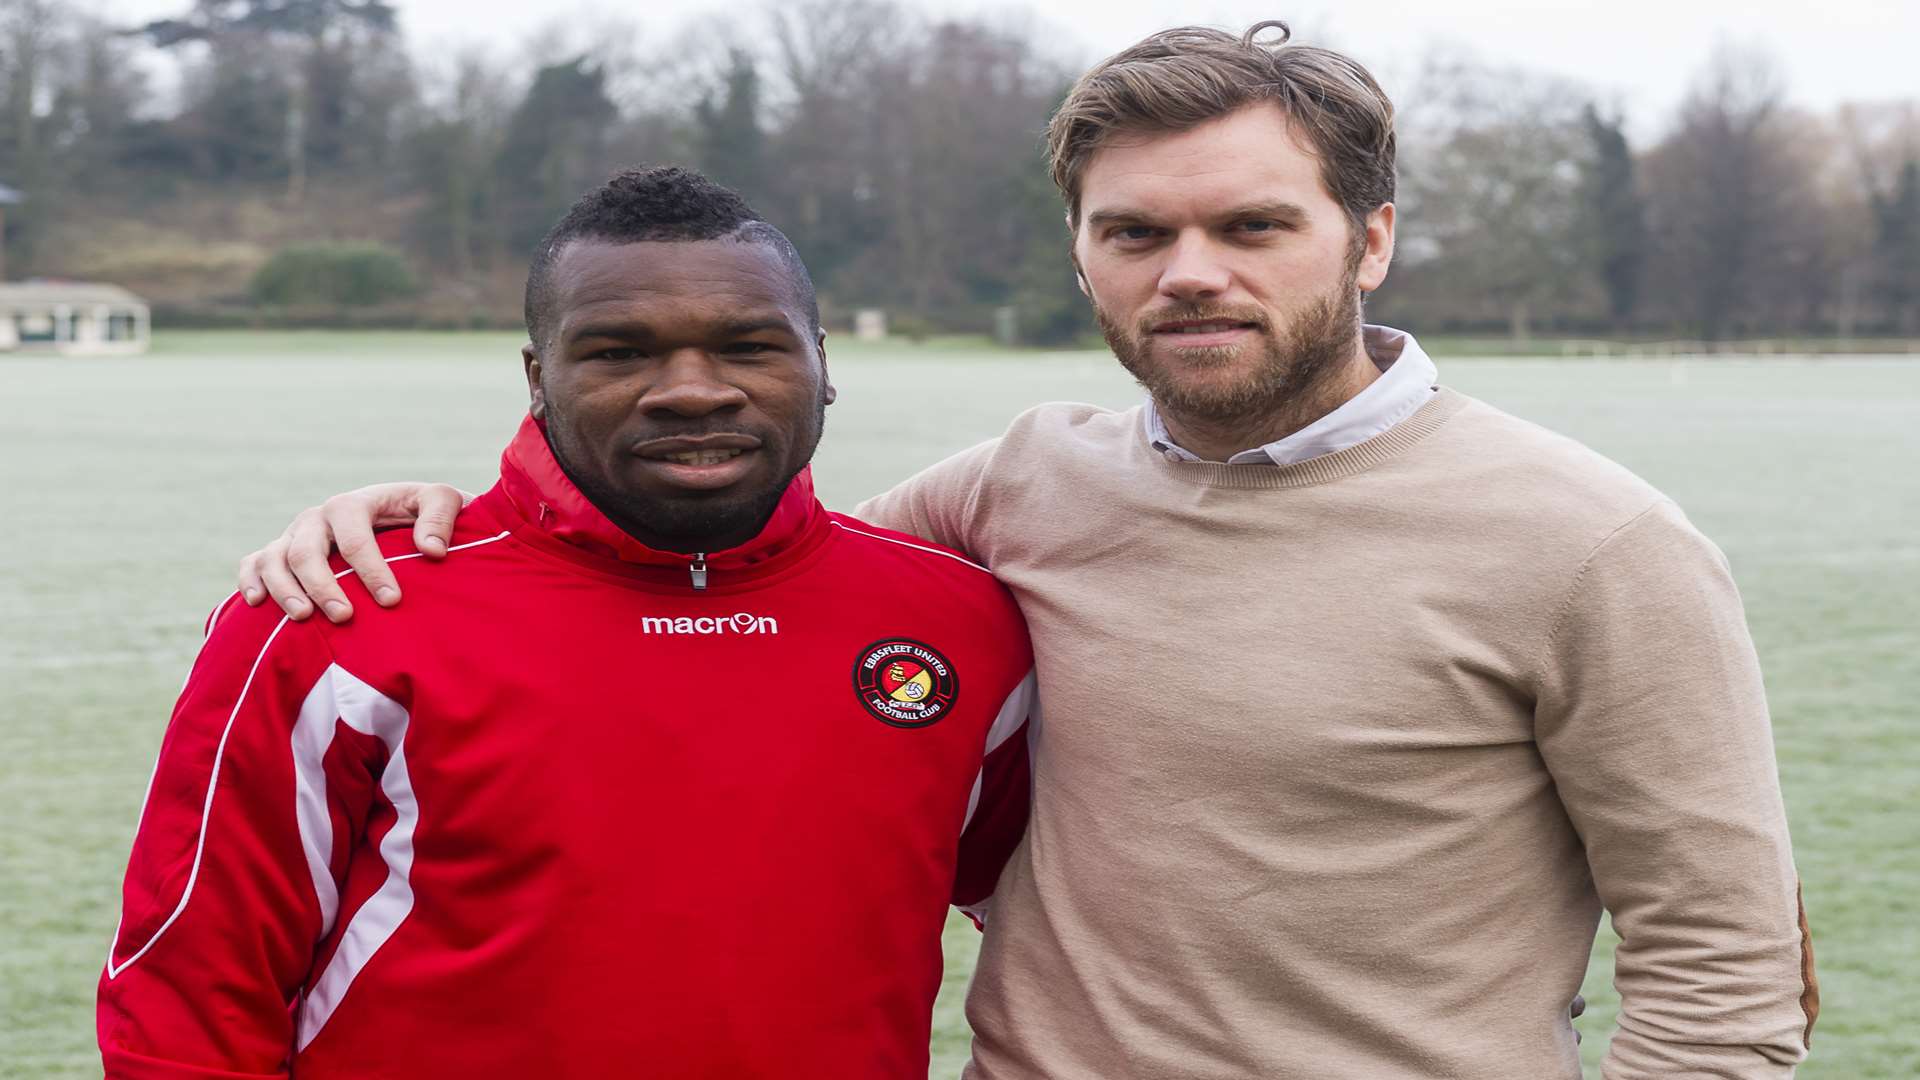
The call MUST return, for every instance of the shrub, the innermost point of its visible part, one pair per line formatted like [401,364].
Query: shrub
[347,275]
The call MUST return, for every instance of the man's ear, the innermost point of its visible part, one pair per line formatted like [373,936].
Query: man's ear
[1378,253]
[536,396]
[1073,256]
[827,392]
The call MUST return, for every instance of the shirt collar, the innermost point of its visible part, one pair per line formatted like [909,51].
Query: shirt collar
[1406,382]
[543,494]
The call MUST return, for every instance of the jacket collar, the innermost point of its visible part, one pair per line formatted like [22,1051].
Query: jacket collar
[543,494]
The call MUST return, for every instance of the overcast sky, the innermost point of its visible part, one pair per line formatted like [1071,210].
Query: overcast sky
[1638,53]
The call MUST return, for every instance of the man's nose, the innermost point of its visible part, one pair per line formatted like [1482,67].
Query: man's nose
[691,384]
[1194,269]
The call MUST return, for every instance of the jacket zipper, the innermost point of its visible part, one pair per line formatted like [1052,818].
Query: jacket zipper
[698,568]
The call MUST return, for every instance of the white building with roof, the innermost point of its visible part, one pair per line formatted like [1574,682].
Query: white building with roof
[72,318]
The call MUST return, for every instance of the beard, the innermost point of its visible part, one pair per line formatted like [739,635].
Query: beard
[691,522]
[1285,371]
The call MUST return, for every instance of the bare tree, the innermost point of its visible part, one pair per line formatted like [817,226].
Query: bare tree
[1880,137]
[453,144]
[1491,183]
[320,31]
[825,70]
[28,29]
[1730,195]
[824,46]
[1884,145]
[69,96]
[952,138]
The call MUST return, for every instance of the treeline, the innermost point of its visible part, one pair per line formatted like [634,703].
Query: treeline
[1528,206]
[312,167]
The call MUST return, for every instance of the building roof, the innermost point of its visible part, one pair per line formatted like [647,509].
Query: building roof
[40,293]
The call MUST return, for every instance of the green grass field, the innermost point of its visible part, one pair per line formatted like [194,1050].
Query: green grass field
[131,487]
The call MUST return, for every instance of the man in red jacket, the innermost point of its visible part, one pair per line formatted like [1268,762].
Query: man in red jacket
[663,770]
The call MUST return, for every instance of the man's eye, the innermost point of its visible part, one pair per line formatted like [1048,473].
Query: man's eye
[746,348]
[1134,232]
[617,354]
[1259,226]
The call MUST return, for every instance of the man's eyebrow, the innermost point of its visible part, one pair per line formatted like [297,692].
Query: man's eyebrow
[1277,209]
[620,331]
[1285,211]
[639,331]
[753,325]
[1115,216]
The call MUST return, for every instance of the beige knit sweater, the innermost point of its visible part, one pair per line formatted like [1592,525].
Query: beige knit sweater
[1337,763]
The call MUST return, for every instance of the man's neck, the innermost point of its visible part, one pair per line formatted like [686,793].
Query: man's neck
[685,545]
[1219,440]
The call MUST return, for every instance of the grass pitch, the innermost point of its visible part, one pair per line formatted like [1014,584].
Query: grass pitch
[132,485]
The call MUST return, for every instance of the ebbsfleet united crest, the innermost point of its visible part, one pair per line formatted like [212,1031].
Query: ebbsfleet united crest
[905,683]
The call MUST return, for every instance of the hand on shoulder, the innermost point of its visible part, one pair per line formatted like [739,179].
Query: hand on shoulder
[294,568]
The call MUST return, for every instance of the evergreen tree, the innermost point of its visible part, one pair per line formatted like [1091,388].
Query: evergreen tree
[238,129]
[555,148]
[1049,307]
[730,143]
[1897,249]
[1612,216]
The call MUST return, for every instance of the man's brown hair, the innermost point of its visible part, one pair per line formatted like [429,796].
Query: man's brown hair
[1179,79]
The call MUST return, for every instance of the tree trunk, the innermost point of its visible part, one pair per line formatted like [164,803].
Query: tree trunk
[297,142]
[460,212]
[28,41]
[1846,308]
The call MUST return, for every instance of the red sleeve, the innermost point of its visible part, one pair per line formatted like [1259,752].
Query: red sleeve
[998,815]
[232,864]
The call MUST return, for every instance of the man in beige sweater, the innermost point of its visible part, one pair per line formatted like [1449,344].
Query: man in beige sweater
[1360,699]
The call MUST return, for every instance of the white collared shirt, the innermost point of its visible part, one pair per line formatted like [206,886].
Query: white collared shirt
[1406,382]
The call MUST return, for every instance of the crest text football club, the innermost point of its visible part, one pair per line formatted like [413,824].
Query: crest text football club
[905,683]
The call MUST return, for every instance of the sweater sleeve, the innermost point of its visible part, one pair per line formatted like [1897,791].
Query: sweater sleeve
[936,503]
[230,882]
[1653,721]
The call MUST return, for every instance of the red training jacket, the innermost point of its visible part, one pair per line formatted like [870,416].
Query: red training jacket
[564,814]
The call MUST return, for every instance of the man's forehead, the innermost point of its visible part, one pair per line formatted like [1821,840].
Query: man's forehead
[1252,154]
[743,266]
[685,279]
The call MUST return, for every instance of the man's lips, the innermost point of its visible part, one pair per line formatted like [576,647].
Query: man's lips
[1195,333]
[697,449]
[1202,326]
[701,462]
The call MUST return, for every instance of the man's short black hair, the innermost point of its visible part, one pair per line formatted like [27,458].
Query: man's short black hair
[661,203]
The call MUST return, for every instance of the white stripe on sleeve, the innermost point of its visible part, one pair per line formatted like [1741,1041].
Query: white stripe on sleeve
[1013,713]
[340,695]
